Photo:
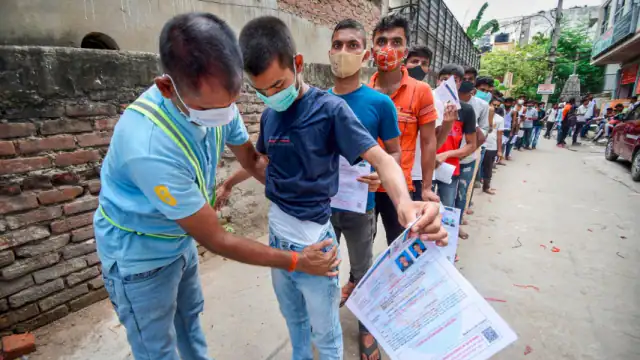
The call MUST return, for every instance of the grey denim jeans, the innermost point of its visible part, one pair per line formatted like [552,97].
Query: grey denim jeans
[358,230]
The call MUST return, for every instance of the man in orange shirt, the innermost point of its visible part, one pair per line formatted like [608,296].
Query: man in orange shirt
[565,124]
[416,113]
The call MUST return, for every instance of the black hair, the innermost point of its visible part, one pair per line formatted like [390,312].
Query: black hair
[421,51]
[541,103]
[484,80]
[609,109]
[196,45]
[452,69]
[509,99]
[351,24]
[498,94]
[263,40]
[619,105]
[471,70]
[634,97]
[391,22]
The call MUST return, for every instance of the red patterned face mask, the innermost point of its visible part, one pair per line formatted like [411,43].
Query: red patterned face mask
[388,58]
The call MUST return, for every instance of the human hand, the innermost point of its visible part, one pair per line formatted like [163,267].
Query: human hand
[223,194]
[450,113]
[429,227]
[429,195]
[373,180]
[440,158]
[314,260]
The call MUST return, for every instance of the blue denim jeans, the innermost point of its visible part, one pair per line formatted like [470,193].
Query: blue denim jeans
[309,302]
[466,175]
[447,192]
[536,135]
[508,146]
[480,172]
[161,309]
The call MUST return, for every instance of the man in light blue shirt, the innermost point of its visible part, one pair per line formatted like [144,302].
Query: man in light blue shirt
[158,180]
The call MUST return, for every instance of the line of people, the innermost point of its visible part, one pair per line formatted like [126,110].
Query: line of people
[159,190]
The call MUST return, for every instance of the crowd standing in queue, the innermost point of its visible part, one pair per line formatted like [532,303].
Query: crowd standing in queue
[147,226]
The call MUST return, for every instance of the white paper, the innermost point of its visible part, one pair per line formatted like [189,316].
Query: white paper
[444,172]
[447,92]
[419,307]
[504,139]
[352,194]
[514,139]
[521,133]
[451,222]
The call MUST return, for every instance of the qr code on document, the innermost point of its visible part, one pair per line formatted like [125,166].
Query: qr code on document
[490,334]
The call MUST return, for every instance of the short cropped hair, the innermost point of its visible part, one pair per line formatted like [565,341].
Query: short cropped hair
[484,80]
[264,40]
[471,70]
[421,51]
[452,69]
[391,22]
[352,24]
[196,45]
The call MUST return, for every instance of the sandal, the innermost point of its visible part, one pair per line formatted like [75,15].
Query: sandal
[463,235]
[369,349]
[347,289]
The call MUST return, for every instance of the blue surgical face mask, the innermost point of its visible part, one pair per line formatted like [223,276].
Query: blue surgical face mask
[210,117]
[283,99]
[483,95]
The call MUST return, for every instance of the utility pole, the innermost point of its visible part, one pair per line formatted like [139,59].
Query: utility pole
[555,36]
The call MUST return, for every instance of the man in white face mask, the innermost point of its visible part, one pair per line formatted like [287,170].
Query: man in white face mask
[158,182]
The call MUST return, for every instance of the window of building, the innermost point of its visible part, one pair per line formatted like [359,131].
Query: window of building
[605,18]
[619,10]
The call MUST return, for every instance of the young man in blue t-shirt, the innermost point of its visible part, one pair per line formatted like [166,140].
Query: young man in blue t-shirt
[378,114]
[303,132]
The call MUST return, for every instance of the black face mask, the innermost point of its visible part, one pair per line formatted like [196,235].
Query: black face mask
[500,111]
[417,73]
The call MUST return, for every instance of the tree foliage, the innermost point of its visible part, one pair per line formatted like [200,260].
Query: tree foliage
[529,64]
[475,31]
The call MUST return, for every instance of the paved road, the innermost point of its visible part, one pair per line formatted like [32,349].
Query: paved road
[587,306]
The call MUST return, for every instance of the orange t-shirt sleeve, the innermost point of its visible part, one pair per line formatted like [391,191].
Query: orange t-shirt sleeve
[426,109]
[565,111]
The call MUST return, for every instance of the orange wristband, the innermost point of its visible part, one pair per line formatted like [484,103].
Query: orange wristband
[294,261]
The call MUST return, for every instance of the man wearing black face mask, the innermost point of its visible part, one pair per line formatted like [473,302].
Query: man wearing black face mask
[418,61]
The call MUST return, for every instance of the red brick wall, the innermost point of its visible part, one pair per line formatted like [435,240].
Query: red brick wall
[58,108]
[330,12]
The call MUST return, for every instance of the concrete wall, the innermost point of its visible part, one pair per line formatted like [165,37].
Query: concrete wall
[58,108]
[135,24]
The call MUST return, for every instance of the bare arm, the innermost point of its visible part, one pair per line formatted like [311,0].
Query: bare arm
[492,111]
[428,155]
[392,146]
[499,135]
[390,173]
[253,163]
[449,117]
[466,150]
[206,230]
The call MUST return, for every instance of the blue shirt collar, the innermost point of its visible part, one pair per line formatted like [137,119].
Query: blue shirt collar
[196,132]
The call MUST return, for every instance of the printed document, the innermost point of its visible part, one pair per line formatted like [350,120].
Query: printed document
[419,307]
[451,222]
[352,194]
[447,92]
[444,172]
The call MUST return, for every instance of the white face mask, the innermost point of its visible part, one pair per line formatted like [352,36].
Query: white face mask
[210,117]
[520,102]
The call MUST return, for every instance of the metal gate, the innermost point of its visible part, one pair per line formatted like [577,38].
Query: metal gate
[432,24]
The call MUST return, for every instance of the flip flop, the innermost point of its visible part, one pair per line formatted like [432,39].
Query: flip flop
[369,349]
